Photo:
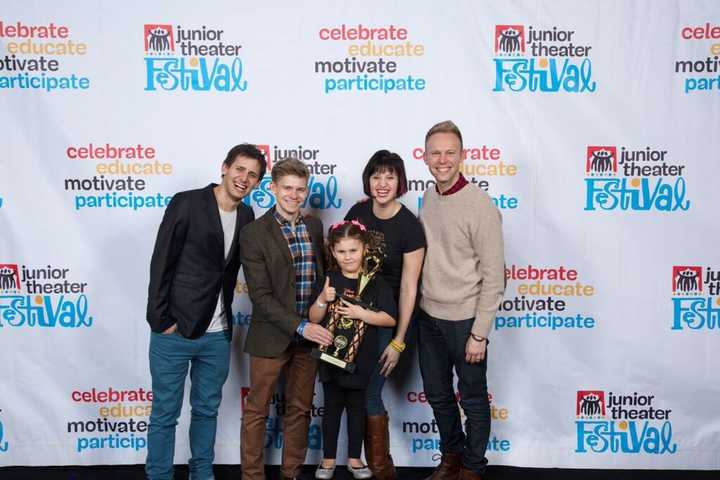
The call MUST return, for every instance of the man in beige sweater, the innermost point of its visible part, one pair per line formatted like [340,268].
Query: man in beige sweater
[462,287]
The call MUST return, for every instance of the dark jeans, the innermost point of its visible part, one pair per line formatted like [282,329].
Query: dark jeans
[337,399]
[442,347]
[375,405]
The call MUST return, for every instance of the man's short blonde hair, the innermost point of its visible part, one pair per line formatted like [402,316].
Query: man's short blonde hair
[448,126]
[289,166]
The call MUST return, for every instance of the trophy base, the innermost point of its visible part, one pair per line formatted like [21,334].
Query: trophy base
[335,361]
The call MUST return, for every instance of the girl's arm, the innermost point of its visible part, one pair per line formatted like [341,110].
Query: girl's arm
[317,313]
[317,310]
[379,319]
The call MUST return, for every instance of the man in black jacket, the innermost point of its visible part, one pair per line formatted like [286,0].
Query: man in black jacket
[193,273]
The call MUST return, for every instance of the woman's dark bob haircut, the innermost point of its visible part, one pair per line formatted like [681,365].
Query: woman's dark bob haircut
[381,161]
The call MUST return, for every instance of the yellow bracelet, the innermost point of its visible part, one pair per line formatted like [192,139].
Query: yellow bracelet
[398,347]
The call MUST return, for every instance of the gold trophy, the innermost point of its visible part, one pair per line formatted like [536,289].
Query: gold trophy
[348,333]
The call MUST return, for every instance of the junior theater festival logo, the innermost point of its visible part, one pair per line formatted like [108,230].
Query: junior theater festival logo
[695,298]
[534,59]
[42,297]
[628,423]
[198,59]
[630,178]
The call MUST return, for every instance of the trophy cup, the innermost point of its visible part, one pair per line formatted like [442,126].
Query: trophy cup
[348,333]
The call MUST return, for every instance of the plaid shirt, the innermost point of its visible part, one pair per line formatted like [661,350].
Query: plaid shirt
[303,255]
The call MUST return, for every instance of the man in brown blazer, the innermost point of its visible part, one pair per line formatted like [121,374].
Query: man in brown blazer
[282,258]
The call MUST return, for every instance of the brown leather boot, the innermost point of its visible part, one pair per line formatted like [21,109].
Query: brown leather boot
[377,447]
[466,474]
[449,468]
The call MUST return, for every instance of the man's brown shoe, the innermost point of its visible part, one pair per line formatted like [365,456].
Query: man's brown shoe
[466,474]
[449,468]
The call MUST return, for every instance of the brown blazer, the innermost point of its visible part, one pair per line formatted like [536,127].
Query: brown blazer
[270,276]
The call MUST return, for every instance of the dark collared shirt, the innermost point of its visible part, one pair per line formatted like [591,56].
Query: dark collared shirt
[303,255]
[459,184]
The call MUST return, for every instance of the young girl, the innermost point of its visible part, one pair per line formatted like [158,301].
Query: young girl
[349,242]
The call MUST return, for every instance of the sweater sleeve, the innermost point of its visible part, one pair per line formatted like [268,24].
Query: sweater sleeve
[490,250]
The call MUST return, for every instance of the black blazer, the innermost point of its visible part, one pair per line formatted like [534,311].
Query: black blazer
[270,274]
[188,266]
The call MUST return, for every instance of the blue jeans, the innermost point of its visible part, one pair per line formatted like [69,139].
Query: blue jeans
[209,361]
[375,405]
[442,347]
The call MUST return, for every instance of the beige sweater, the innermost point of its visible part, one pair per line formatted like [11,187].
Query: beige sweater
[464,272]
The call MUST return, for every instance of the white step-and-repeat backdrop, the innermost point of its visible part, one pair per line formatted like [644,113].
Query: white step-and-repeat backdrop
[593,125]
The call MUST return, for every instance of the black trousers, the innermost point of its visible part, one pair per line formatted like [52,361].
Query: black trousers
[442,349]
[337,399]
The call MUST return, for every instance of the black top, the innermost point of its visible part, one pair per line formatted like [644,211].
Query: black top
[378,295]
[403,233]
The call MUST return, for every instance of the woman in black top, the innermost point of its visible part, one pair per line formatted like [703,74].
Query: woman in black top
[384,180]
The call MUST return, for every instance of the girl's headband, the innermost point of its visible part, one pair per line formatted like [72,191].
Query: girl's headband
[337,225]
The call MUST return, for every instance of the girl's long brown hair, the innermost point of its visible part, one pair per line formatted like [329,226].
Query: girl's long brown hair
[373,241]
